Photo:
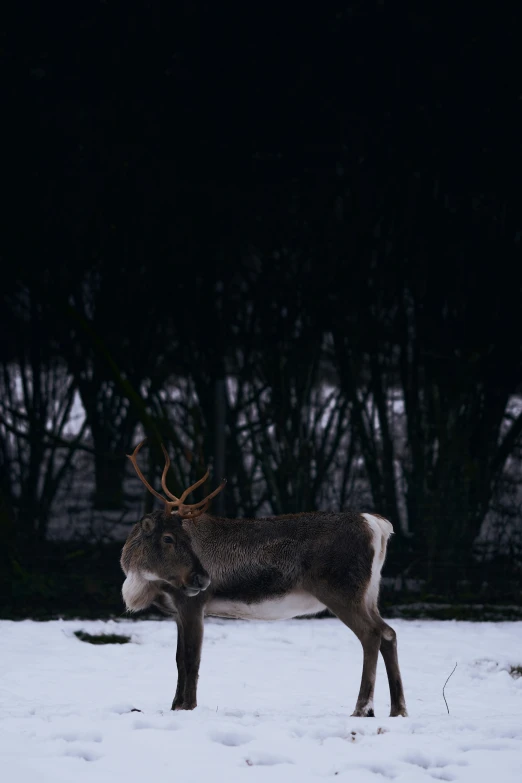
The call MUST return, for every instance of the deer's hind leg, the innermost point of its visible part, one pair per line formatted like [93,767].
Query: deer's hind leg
[391,661]
[375,636]
[369,632]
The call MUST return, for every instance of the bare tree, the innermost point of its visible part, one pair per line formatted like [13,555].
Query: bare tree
[38,439]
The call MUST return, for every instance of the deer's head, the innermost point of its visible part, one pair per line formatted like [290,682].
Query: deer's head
[158,548]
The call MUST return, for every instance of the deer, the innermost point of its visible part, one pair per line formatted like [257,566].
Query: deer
[190,564]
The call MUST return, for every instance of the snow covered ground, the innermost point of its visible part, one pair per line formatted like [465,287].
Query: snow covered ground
[274,704]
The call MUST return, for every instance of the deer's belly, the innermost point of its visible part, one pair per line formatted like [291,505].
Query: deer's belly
[281,608]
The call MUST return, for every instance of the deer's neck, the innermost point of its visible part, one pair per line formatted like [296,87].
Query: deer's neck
[223,546]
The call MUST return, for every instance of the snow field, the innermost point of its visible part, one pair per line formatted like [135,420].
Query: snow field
[274,704]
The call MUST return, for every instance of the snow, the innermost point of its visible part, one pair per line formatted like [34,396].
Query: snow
[274,704]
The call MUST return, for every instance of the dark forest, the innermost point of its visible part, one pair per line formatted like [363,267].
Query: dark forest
[284,240]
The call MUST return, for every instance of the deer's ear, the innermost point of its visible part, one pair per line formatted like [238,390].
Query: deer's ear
[148,525]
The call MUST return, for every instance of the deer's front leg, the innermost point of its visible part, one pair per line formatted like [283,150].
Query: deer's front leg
[179,698]
[188,656]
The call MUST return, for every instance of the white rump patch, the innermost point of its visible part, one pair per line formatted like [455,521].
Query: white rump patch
[284,608]
[381,530]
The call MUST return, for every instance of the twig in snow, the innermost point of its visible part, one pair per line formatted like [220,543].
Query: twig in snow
[445,686]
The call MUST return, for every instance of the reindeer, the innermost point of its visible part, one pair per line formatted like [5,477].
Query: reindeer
[191,564]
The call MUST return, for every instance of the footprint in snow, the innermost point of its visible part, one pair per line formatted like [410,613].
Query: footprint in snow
[486,746]
[71,736]
[232,739]
[122,709]
[381,769]
[147,724]
[434,766]
[87,754]
[266,760]
[421,760]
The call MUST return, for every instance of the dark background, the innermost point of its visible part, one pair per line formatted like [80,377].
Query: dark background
[286,240]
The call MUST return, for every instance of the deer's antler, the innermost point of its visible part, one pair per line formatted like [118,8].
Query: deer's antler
[185,510]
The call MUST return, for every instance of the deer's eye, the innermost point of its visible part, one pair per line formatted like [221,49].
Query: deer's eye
[168,539]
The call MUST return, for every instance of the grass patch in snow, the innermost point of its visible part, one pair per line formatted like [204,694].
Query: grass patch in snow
[515,672]
[102,638]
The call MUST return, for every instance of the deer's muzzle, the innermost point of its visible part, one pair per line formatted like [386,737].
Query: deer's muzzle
[196,584]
